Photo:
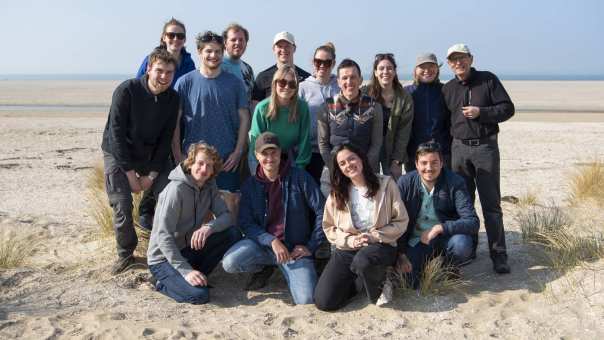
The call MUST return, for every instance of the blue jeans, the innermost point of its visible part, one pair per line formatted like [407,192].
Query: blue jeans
[457,249]
[249,256]
[171,283]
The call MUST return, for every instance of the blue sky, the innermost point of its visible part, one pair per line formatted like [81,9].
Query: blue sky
[111,36]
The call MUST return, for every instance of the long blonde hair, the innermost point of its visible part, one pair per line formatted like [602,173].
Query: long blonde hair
[273,108]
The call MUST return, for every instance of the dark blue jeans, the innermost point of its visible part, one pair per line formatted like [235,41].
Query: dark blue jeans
[457,249]
[171,283]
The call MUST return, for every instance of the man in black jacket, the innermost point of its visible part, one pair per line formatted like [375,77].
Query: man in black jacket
[136,145]
[442,218]
[477,102]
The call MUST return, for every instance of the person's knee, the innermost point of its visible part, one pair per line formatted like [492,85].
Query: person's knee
[324,303]
[230,263]
[460,247]
[360,264]
[198,296]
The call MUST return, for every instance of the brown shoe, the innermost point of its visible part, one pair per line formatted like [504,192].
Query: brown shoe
[122,264]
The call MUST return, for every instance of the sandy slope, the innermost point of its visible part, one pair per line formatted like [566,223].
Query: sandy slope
[65,290]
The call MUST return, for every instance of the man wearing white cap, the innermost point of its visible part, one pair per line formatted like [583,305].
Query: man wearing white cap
[284,47]
[477,102]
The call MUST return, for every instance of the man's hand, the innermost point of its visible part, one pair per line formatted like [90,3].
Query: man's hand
[403,265]
[232,162]
[200,236]
[280,250]
[299,252]
[135,185]
[430,234]
[396,170]
[196,278]
[471,112]
[146,182]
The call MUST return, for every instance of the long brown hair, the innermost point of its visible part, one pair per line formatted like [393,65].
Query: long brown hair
[171,22]
[340,184]
[273,106]
[375,89]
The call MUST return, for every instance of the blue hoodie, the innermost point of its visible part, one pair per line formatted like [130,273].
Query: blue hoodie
[186,65]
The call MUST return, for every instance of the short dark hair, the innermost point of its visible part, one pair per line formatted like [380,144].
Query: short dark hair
[429,147]
[235,27]
[162,54]
[347,63]
[207,37]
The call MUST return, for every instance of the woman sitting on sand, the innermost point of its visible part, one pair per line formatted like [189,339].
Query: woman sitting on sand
[364,216]
[182,249]
[173,38]
[285,115]
[397,113]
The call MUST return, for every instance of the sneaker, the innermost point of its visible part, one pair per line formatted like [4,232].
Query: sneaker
[386,296]
[122,264]
[500,264]
[260,279]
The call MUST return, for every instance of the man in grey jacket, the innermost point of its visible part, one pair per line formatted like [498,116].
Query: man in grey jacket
[184,246]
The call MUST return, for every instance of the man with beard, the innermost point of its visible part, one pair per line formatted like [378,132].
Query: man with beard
[136,145]
[214,109]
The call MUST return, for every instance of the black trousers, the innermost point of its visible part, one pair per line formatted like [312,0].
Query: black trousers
[479,166]
[349,272]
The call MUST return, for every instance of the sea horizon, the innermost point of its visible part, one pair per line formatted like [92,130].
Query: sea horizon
[404,77]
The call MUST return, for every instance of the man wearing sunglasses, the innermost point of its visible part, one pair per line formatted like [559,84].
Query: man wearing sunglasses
[284,47]
[214,109]
[476,102]
[442,218]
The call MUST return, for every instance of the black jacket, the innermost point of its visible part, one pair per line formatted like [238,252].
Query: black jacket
[140,126]
[481,89]
[264,79]
[452,204]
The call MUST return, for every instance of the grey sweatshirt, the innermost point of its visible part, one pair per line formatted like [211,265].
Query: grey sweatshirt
[181,209]
[315,95]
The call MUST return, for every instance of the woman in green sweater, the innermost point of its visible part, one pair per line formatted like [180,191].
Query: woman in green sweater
[285,115]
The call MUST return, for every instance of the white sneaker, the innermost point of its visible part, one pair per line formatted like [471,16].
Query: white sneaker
[386,296]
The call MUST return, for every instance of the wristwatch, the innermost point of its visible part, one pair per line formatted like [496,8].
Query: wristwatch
[152,176]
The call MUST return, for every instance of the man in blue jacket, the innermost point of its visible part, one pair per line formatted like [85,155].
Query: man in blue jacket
[442,218]
[287,233]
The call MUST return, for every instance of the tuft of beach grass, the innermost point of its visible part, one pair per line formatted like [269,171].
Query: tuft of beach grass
[587,183]
[14,250]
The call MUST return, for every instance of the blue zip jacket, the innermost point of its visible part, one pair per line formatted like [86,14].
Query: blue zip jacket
[431,119]
[303,204]
[186,65]
[452,204]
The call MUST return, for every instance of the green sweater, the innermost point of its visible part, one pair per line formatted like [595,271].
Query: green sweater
[294,135]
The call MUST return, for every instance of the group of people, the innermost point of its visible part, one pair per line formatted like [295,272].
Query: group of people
[364,178]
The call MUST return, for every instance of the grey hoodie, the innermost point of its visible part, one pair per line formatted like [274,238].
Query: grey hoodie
[181,209]
[315,95]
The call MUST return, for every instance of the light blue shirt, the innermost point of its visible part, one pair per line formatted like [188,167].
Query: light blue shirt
[426,218]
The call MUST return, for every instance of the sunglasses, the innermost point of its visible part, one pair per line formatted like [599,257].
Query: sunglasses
[284,83]
[209,37]
[381,56]
[179,36]
[322,62]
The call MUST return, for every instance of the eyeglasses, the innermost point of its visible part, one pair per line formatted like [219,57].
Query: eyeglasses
[285,83]
[457,58]
[209,37]
[381,56]
[322,62]
[179,36]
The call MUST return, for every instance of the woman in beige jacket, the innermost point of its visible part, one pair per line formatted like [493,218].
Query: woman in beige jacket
[364,216]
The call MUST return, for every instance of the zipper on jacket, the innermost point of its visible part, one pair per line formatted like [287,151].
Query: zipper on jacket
[155,98]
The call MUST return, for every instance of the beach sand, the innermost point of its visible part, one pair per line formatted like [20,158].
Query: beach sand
[51,133]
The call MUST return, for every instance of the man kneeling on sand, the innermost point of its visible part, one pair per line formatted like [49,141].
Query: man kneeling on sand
[442,219]
[280,213]
[183,249]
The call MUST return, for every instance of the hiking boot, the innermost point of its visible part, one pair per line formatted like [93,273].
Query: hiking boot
[122,264]
[260,279]
[500,264]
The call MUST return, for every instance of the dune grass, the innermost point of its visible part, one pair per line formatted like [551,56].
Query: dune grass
[587,183]
[562,245]
[437,278]
[14,250]
[529,198]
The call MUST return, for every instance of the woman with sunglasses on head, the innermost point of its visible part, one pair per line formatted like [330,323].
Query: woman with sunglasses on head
[431,121]
[363,218]
[173,38]
[285,115]
[397,109]
[315,90]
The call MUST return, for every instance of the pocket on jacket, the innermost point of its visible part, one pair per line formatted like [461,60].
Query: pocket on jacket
[116,181]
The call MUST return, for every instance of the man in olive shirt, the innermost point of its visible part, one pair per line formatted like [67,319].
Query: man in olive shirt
[477,102]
